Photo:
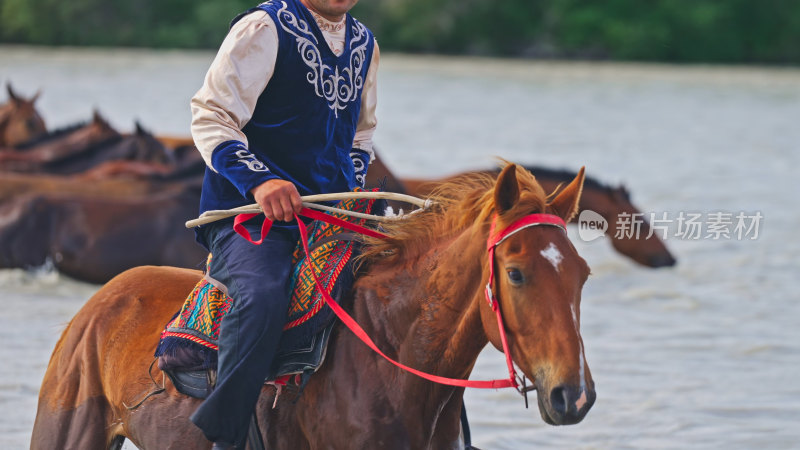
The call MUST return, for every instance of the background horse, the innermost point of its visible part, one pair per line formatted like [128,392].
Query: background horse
[103,183]
[85,147]
[117,215]
[421,299]
[610,202]
[19,120]
[93,237]
[58,145]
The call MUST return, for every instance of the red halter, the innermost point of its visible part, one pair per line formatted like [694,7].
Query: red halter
[349,322]
[492,242]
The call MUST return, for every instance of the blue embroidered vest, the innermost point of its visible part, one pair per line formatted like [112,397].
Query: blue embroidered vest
[304,122]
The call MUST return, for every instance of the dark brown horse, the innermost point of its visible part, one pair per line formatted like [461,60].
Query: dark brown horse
[57,145]
[94,225]
[84,147]
[95,236]
[420,297]
[140,146]
[609,202]
[111,185]
[185,165]
[19,120]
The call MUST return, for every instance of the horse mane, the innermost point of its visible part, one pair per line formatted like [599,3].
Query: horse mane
[565,176]
[464,202]
[51,135]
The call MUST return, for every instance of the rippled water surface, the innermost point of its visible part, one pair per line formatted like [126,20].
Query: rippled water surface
[702,355]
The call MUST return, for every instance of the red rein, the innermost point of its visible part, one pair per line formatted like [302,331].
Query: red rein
[493,241]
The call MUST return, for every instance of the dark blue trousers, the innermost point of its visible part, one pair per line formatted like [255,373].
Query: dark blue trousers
[256,277]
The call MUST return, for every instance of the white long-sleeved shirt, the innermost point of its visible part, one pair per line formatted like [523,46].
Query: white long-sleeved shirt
[240,73]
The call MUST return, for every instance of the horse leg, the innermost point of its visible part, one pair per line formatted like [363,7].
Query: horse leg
[162,422]
[102,361]
[278,426]
[73,412]
[448,432]
[81,427]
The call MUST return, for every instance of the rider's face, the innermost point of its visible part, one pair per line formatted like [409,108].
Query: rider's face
[330,9]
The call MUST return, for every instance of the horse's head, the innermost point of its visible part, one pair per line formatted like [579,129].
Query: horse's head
[25,236]
[538,281]
[140,146]
[20,121]
[637,242]
[98,129]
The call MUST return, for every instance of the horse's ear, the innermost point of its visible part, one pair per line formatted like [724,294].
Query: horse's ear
[139,129]
[565,205]
[620,194]
[99,120]
[11,94]
[506,190]
[36,96]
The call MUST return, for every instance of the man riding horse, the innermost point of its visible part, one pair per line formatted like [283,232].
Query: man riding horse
[287,108]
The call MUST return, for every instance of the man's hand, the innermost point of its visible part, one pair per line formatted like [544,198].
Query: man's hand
[279,199]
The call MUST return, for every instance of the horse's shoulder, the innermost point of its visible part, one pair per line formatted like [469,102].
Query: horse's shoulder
[140,295]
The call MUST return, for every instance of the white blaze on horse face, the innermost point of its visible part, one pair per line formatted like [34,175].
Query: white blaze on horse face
[552,254]
[581,361]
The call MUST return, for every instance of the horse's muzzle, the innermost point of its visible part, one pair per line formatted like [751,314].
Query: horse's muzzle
[566,404]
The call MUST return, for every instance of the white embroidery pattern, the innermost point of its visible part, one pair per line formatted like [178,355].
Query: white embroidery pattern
[338,89]
[359,167]
[249,159]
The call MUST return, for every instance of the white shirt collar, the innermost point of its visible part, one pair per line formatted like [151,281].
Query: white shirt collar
[327,25]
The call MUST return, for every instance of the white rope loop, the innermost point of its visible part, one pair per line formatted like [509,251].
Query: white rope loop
[215,215]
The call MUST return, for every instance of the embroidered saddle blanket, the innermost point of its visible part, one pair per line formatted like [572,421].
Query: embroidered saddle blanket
[188,345]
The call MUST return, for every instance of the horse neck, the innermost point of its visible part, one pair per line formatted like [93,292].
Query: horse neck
[427,313]
[76,149]
[451,305]
[6,112]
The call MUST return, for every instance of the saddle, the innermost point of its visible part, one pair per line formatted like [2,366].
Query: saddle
[187,351]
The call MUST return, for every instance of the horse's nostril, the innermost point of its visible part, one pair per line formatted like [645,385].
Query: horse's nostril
[559,400]
[661,260]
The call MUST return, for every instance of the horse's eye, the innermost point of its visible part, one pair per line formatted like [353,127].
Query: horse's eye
[515,276]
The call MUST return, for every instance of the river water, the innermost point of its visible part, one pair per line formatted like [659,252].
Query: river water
[702,355]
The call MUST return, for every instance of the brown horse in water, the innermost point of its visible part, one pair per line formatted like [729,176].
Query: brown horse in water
[82,147]
[95,236]
[421,299]
[19,120]
[93,226]
[57,145]
[609,202]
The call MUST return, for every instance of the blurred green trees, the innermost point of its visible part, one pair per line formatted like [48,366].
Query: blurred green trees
[140,23]
[745,31]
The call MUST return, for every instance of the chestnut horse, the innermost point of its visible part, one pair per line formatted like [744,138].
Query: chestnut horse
[609,202]
[420,297]
[19,120]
